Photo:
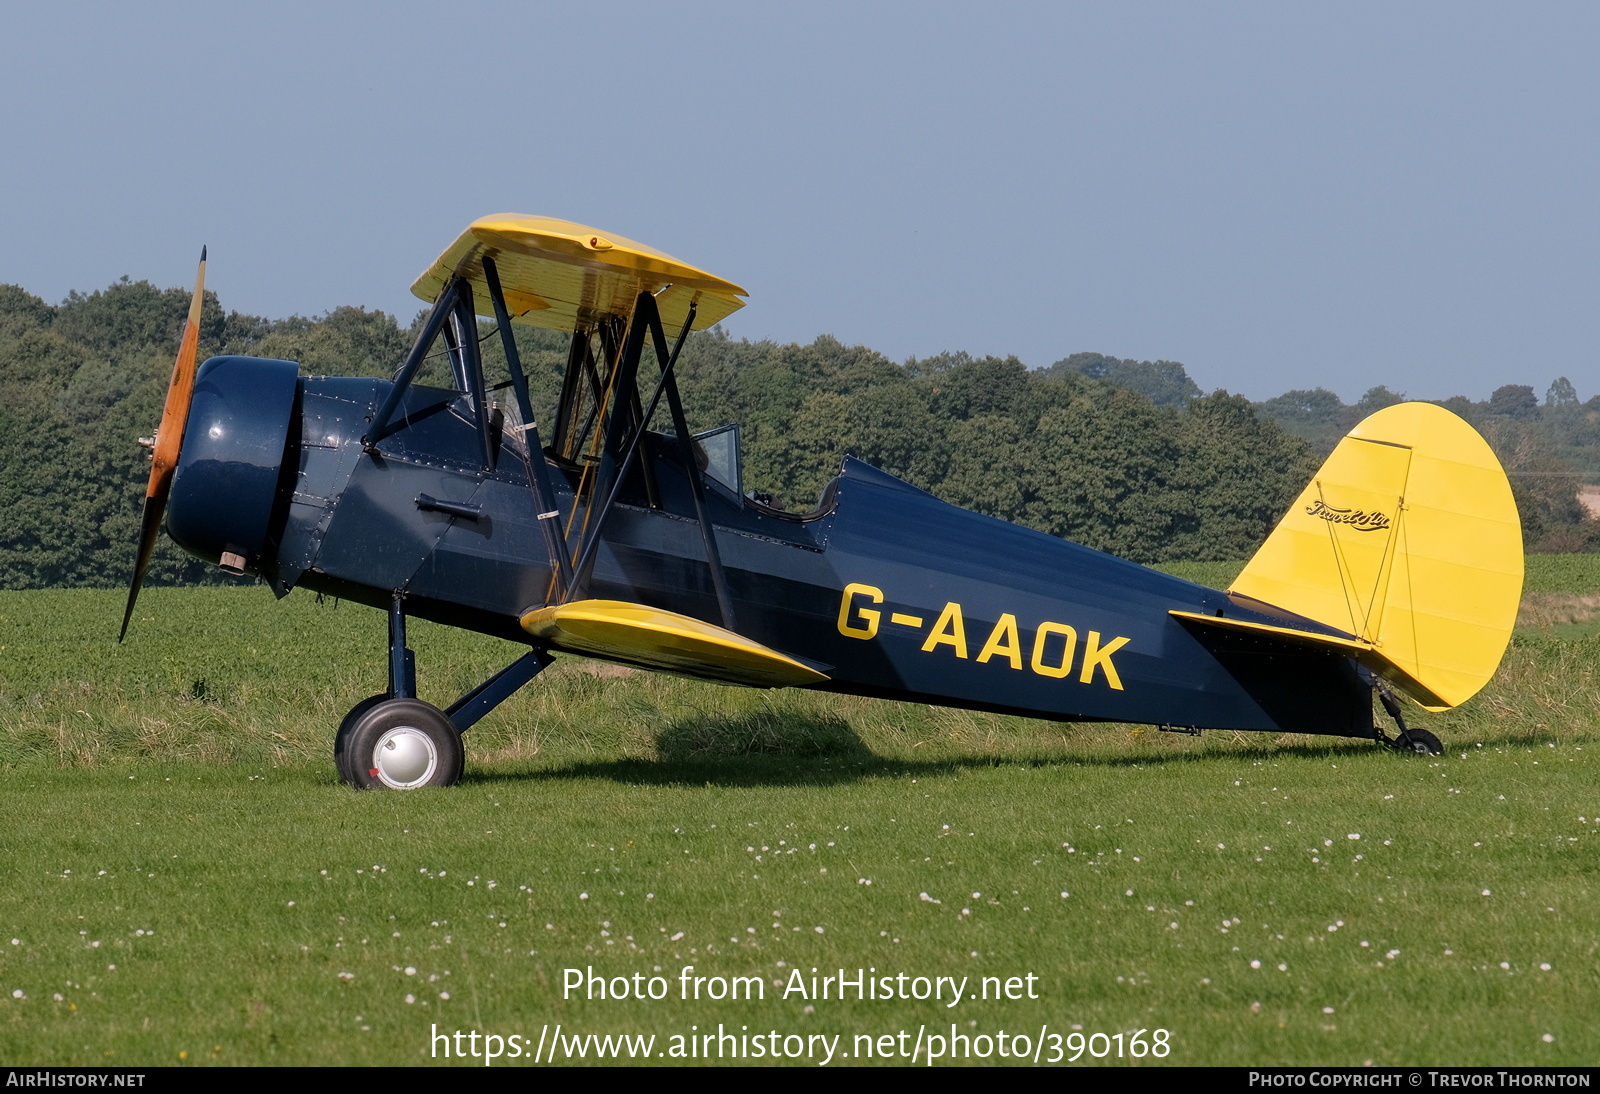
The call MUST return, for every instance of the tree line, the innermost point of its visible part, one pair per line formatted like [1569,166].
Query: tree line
[1125,456]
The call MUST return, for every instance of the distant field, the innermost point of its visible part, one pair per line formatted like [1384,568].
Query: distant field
[169,808]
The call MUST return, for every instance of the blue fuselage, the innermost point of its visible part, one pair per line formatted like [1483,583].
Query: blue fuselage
[887,590]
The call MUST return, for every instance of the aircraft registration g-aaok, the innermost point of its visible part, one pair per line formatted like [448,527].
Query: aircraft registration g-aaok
[1398,569]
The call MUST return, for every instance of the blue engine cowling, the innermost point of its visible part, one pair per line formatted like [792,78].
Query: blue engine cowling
[225,490]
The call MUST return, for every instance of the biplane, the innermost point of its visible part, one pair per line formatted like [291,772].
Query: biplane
[614,531]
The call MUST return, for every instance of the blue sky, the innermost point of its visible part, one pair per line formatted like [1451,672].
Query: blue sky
[1277,195]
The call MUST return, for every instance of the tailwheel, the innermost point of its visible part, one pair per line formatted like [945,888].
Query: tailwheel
[1419,741]
[398,744]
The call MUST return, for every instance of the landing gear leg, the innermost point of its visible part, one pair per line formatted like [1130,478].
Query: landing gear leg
[1409,740]
[396,741]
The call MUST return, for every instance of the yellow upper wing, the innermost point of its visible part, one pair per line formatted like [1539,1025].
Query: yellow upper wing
[558,274]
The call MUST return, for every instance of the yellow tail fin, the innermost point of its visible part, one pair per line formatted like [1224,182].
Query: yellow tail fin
[1408,538]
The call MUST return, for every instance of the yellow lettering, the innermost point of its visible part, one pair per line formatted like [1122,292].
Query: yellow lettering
[868,627]
[1004,641]
[1040,637]
[950,630]
[1096,654]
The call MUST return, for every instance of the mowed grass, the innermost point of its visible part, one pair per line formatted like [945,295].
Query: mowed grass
[185,880]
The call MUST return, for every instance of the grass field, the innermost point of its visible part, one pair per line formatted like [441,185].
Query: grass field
[182,880]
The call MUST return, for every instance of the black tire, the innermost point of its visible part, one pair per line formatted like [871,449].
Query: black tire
[398,744]
[1419,741]
[340,754]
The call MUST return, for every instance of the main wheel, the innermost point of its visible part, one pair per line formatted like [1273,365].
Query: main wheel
[1419,741]
[398,744]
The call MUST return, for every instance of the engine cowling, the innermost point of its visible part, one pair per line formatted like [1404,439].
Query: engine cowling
[225,492]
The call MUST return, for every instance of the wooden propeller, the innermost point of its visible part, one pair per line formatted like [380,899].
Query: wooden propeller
[167,441]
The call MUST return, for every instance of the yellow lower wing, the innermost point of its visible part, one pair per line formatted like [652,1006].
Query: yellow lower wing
[665,640]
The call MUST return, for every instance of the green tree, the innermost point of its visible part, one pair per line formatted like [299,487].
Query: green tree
[1317,415]
[959,386]
[1240,471]
[1164,383]
[1514,401]
[1561,394]
[1375,399]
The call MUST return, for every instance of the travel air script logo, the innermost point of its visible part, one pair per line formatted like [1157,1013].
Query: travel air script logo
[1359,519]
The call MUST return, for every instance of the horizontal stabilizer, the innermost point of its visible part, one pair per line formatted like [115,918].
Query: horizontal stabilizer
[660,639]
[1360,649]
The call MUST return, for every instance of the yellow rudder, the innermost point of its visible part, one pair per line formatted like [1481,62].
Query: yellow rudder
[1408,538]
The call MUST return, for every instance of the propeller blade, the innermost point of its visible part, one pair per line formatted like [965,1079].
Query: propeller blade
[168,440]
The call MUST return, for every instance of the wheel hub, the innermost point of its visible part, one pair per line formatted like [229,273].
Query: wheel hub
[404,757]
